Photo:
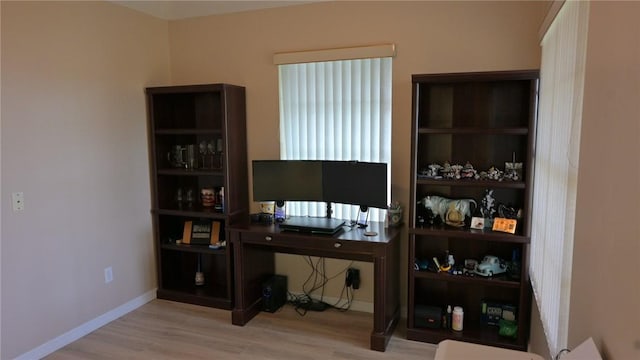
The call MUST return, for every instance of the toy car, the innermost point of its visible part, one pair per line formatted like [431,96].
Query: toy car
[490,265]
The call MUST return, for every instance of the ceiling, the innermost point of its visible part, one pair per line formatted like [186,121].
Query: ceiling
[174,10]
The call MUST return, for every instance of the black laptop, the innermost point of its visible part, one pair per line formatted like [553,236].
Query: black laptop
[314,225]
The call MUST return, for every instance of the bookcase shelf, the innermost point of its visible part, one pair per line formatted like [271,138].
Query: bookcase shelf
[484,119]
[188,126]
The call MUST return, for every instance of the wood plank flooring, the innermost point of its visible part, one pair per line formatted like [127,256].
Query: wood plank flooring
[168,330]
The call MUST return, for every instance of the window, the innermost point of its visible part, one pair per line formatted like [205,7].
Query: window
[336,110]
[556,168]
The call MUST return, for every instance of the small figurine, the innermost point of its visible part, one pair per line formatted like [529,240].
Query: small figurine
[421,264]
[491,265]
[457,168]
[494,174]
[468,172]
[444,268]
[509,212]
[440,206]
[487,205]
[513,170]
[453,216]
[433,171]
[446,171]
[457,270]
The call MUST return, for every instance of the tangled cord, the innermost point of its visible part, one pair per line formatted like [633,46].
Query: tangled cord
[317,280]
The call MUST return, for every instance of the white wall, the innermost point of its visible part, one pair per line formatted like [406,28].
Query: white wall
[74,141]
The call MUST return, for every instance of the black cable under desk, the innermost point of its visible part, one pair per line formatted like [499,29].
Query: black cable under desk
[254,247]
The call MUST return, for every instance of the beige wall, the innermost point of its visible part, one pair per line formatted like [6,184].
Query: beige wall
[430,37]
[604,289]
[605,295]
[74,141]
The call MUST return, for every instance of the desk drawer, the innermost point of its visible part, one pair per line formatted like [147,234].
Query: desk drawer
[293,242]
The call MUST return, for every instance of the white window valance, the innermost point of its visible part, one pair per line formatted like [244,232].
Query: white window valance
[346,53]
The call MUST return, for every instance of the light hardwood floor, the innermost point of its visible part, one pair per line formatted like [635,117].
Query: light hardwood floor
[168,330]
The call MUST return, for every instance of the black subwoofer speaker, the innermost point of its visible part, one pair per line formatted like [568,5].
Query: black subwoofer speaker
[274,293]
[427,316]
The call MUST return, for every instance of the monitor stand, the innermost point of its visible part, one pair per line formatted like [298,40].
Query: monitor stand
[279,212]
[363,216]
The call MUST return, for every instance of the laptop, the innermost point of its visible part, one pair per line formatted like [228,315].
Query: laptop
[315,225]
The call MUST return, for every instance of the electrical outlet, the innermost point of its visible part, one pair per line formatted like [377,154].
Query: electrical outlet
[108,275]
[17,201]
[352,278]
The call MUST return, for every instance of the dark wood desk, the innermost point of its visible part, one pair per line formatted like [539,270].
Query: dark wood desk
[254,246]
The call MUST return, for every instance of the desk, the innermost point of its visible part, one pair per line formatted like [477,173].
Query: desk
[254,247]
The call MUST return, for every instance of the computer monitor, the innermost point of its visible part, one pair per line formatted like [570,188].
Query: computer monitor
[344,182]
[287,180]
[355,182]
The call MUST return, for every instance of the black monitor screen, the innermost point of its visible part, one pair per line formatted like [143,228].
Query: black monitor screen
[354,182]
[287,180]
[345,182]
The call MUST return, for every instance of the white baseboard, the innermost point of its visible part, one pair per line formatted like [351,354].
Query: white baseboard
[86,328]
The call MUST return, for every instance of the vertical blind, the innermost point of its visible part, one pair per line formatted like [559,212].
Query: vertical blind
[556,168]
[336,110]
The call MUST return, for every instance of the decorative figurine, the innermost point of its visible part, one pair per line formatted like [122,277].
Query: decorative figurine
[440,206]
[509,212]
[456,169]
[508,328]
[494,174]
[487,205]
[432,171]
[488,208]
[446,265]
[454,217]
[469,265]
[491,265]
[513,170]
[468,172]
[421,264]
[445,170]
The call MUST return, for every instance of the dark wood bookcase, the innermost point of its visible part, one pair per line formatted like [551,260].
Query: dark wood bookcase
[480,118]
[197,139]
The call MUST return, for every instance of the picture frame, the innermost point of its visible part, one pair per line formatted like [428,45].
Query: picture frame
[477,223]
[505,225]
[201,232]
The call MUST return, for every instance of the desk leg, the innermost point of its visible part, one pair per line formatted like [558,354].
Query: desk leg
[386,303]
[252,266]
